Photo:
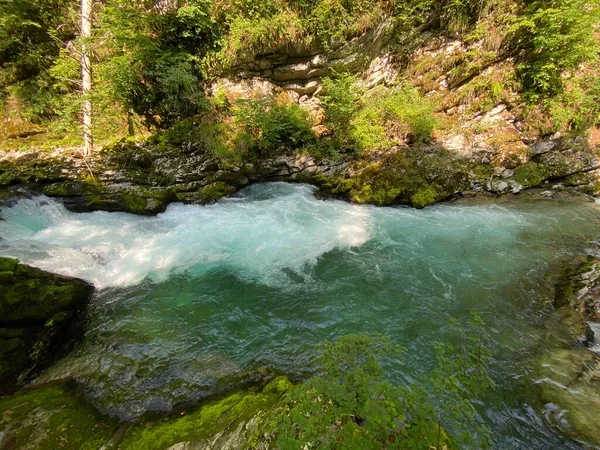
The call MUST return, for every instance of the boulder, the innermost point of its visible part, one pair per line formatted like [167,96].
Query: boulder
[39,314]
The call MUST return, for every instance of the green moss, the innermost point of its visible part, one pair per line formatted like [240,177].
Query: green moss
[30,171]
[278,386]
[407,177]
[529,175]
[35,295]
[214,192]
[57,318]
[52,418]
[8,264]
[425,196]
[208,420]
[59,190]
[132,202]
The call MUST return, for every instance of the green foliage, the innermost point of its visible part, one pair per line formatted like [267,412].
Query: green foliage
[30,36]
[266,126]
[253,29]
[407,106]
[250,36]
[333,21]
[351,405]
[379,121]
[551,38]
[578,107]
[340,101]
[451,15]
[246,129]
[148,65]
[368,131]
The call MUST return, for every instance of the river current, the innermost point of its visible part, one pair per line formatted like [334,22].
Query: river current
[201,297]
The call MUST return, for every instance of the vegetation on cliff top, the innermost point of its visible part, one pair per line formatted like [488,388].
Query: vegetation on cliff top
[151,59]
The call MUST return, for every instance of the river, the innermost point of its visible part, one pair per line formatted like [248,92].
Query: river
[201,297]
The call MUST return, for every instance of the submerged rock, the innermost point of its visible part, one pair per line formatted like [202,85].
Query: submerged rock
[52,418]
[570,387]
[38,319]
[568,374]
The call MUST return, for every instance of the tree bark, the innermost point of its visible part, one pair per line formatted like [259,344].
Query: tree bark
[86,76]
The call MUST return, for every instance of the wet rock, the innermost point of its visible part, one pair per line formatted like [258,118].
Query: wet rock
[548,194]
[51,418]
[39,315]
[569,382]
[236,422]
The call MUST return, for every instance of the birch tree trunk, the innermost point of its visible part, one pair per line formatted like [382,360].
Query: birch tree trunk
[86,76]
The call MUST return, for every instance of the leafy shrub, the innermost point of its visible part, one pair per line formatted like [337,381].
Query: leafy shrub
[373,123]
[550,38]
[578,107]
[352,405]
[368,131]
[413,112]
[270,125]
[340,101]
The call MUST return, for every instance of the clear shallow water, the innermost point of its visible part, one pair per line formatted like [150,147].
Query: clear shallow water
[201,295]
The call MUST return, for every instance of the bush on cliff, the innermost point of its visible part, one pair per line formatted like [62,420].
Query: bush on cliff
[383,119]
[550,39]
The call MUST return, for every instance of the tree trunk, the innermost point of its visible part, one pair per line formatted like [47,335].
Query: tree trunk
[86,76]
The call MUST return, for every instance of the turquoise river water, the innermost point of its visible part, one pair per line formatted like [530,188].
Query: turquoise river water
[201,297]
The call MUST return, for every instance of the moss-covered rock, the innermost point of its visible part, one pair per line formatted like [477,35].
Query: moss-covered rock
[529,175]
[52,418]
[209,422]
[92,196]
[32,296]
[38,310]
[29,170]
[415,177]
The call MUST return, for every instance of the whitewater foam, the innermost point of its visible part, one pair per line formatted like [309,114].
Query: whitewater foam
[266,229]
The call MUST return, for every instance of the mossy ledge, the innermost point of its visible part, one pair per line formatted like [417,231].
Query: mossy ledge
[39,318]
[57,417]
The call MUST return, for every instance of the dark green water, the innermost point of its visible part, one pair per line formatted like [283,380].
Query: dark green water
[199,297]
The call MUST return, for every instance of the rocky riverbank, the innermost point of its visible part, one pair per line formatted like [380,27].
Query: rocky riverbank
[143,178]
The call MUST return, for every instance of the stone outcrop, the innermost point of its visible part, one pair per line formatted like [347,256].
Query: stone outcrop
[38,319]
[299,71]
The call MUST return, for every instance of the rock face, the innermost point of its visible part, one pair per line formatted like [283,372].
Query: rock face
[38,318]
